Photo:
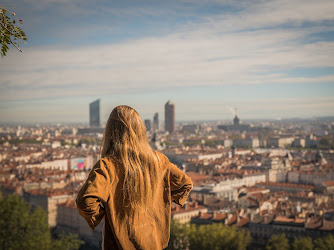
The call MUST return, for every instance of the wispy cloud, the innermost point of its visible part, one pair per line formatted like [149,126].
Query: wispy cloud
[241,58]
[204,43]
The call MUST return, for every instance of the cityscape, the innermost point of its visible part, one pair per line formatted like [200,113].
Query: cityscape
[263,177]
[239,95]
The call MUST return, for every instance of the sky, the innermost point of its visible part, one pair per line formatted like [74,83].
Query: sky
[264,59]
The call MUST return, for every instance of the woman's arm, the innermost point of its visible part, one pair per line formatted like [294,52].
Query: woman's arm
[180,185]
[93,194]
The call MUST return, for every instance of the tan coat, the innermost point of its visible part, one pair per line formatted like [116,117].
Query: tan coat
[101,197]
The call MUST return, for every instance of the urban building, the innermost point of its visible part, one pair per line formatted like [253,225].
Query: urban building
[170,117]
[180,157]
[94,114]
[69,221]
[298,143]
[148,124]
[247,143]
[191,128]
[48,200]
[156,122]
[241,178]
[279,142]
[225,189]
[236,126]
[185,213]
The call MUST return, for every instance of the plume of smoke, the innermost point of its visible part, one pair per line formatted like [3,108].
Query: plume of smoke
[233,110]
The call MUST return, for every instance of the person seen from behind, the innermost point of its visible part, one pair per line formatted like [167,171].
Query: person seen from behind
[131,187]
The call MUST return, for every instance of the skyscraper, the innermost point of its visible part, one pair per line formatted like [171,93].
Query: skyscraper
[156,122]
[94,113]
[170,117]
[148,124]
[236,120]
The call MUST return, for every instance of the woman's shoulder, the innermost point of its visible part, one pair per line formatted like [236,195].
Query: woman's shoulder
[160,155]
[105,163]
[163,158]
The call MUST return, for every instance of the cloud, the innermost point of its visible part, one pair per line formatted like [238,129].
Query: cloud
[157,63]
[238,47]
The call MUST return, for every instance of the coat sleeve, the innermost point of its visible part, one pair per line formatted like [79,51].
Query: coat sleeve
[180,184]
[93,194]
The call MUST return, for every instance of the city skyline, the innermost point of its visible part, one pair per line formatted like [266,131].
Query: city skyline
[270,60]
[262,180]
[94,113]
[170,117]
[228,118]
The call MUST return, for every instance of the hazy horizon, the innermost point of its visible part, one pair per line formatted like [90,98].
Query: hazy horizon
[223,121]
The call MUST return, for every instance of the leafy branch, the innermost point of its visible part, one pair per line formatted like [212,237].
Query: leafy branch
[10,33]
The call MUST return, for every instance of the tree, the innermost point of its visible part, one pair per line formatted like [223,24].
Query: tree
[65,241]
[10,33]
[302,244]
[21,228]
[24,228]
[325,243]
[179,236]
[278,242]
[215,236]
[219,236]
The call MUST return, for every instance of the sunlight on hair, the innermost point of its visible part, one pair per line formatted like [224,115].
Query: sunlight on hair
[125,141]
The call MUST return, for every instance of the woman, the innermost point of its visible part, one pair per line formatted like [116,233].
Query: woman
[132,187]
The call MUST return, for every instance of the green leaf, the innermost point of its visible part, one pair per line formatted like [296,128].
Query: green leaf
[9,32]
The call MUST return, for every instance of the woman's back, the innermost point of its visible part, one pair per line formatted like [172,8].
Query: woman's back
[137,229]
[136,212]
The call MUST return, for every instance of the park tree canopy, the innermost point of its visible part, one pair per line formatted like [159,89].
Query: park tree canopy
[213,236]
[24,228]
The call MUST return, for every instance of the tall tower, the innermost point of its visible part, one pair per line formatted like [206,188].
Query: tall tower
[170,117]
[148,124]
[94,113]
[156,122]
[236,120]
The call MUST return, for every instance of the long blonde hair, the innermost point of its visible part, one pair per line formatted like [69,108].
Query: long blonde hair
[125,141]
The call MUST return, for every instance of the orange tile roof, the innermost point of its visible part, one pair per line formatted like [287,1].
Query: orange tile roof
[232,220]
[329,183]
[219,217]
[283,219]
[183,209]
[285,184]
[243,221]
[205,216]
[69,203]
[299,220]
